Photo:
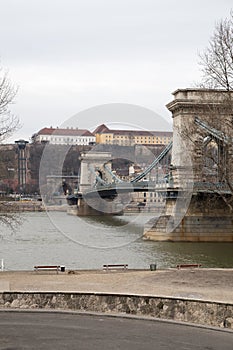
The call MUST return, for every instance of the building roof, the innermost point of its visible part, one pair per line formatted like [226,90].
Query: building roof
[65,132]
[103,129]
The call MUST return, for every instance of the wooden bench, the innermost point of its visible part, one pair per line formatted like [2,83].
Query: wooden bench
[115,266]
[47,267]
[181,266]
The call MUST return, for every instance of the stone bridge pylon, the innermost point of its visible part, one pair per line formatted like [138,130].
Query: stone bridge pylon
[200,204]
[93,169]
[92,164]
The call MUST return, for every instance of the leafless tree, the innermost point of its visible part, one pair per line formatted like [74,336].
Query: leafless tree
[8,124]
[9,215]
[216,63]
[8,121]
[217,59]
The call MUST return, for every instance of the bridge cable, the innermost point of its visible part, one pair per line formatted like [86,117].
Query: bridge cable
[97,177]
[117,179]
[214,132]
[154,163]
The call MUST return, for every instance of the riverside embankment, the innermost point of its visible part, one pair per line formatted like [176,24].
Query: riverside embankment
[35,206]
[202,296]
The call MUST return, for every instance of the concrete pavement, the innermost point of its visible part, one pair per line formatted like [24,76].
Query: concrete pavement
[198,283]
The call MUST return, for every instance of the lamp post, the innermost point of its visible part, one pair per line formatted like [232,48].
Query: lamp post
[22,165]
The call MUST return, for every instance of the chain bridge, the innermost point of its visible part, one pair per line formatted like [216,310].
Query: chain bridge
[198,186]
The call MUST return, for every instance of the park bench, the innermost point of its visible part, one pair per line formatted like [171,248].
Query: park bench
[115,267]
[181,266]
[47,267]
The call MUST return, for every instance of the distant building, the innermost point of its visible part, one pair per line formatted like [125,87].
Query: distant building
[68,136]
[104,135]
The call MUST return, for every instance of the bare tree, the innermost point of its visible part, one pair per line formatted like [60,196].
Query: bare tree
[8,124]
[217,59]
[216,63]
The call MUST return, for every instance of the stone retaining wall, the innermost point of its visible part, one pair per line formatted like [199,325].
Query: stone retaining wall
[185,310]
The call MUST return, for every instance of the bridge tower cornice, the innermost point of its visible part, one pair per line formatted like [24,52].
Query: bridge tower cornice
[196,101]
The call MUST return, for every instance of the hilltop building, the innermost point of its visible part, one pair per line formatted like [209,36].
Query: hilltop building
[68,136]
[104,135]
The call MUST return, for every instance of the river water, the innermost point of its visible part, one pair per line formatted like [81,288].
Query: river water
[55,238]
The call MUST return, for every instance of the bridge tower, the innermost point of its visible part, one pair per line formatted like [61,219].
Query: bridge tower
[92,174]
[197,209]
[92,164]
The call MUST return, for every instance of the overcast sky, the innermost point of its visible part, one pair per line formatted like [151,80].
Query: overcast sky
[70,55]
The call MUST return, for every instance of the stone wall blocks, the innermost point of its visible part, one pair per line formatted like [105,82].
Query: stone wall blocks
[7,304]
[194,311]
[15,303]
[228,323]
[8,297]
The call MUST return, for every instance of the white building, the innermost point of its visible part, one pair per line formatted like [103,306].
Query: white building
[68,136]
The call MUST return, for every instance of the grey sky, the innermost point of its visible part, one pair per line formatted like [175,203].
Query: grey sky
[69,55]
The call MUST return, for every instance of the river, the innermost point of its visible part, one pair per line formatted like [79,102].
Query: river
[55,238]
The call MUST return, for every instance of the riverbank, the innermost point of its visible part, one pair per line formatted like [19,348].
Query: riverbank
[196,283]
[35,206]
[201,296]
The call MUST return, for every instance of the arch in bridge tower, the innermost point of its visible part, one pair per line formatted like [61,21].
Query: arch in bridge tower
[214,161]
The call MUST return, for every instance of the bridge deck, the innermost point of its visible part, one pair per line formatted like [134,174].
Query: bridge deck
[113,190]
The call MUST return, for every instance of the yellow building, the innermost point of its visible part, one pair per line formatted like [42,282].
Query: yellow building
[105,135]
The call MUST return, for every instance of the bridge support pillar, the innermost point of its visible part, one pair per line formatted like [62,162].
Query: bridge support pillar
[96,207]
[207,218]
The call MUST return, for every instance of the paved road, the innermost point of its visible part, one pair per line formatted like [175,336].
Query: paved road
[50,331]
